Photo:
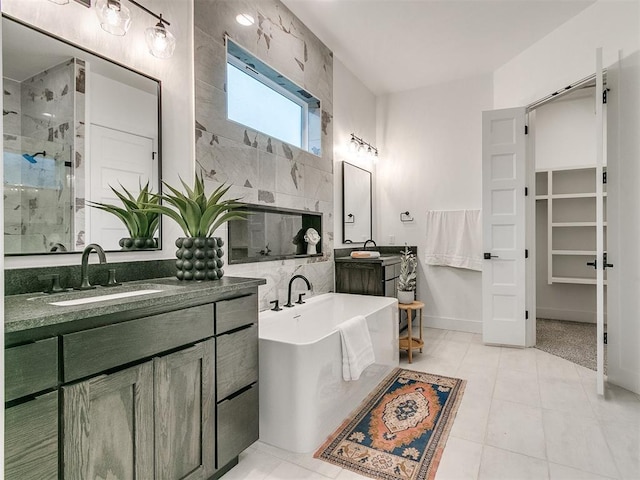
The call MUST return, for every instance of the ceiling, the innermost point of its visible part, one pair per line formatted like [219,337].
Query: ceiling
[397,45]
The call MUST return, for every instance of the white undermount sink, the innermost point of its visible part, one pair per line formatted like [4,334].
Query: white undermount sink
[103,298]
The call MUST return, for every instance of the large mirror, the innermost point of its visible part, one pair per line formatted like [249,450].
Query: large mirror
[74,124]
[356,204]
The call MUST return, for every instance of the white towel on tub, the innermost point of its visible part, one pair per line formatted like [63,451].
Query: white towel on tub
[357,349]
[454,239]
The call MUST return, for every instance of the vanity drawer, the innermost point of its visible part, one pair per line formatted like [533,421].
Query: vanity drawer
[31,368]
[236,361]
[93,351]
[238,424]
[236,313]
[391,271]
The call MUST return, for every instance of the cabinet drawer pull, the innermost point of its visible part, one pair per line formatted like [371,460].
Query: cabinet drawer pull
[235,330]
[238,393]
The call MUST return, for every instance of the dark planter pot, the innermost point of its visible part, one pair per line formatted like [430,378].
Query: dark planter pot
[138,243]
[199,258]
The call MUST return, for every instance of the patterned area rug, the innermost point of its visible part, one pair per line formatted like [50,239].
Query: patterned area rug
[400,430]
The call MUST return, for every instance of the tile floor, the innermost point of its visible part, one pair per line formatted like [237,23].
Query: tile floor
[525,414]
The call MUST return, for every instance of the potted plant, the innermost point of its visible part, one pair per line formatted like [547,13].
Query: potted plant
[138,214]
[199,255]
[407,277]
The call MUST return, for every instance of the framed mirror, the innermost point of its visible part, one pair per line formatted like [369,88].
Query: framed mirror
[356,204]
[74,124]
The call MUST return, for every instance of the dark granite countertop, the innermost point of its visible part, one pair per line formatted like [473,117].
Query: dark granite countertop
[383,259]
[31,311]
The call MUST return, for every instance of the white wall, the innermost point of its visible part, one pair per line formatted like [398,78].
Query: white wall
[79,25]
[432,143]
[354,111]
[568,53]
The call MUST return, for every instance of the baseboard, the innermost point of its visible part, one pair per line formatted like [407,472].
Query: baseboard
[572,315]
[458,324]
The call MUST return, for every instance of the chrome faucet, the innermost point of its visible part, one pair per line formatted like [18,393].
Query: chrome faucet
[367,242]
[84,270]
[289,304]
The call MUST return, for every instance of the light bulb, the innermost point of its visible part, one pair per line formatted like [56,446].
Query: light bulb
[114,17]
[245,19]
[160,41]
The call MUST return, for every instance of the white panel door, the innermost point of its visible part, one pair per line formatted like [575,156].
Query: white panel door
[503,218]
[117,158]
[623,222]
[599,226]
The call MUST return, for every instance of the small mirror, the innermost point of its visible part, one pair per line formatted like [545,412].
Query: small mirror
[274,234]
[74,124]
[356,204]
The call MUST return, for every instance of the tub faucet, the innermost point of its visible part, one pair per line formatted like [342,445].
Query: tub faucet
[84,269]
[289,304]
[367,242]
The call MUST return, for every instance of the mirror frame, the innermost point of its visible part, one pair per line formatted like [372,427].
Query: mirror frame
[159,109]
[344,206]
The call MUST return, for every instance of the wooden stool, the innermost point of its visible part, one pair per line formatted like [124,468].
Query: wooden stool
[409,343]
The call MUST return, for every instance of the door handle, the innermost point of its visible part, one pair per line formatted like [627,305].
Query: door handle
[488,256]
[593,264]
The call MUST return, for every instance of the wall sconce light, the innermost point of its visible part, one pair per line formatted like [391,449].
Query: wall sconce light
[359,146]
[115,18]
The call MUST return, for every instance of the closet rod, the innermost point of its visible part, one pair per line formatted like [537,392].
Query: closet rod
[568,89]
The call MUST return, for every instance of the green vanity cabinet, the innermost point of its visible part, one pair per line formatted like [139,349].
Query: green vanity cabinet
[170,395]
[31,411]
[376,276]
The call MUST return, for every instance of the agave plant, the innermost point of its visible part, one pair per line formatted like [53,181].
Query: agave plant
[197,214]
[408,264]
[137,213]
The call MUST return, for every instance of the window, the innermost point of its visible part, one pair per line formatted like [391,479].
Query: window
[264,100]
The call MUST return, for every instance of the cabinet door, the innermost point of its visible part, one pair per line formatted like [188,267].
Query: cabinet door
[108,426]
[361,278]
[31,439]
[185,413]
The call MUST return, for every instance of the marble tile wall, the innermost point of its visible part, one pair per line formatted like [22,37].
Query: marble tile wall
[261,169]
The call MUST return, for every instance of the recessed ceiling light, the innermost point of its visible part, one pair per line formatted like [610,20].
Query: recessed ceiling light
[245,19]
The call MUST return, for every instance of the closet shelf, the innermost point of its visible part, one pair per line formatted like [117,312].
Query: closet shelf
[573,252]
[542,197]
[575,224]
[579,281]
[561,196]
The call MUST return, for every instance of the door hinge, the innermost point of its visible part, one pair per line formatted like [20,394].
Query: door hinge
[604,95]
[526,314]
[605,338]
[604,177]
[526,253]
[526,191]
[153,155]
[526,129]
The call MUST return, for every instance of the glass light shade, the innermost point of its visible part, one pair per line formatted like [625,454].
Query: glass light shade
[60,2]
[114,17]
[160,41]
[353,145]
[245,19]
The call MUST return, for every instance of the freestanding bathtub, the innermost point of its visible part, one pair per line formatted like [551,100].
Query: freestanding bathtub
[303,397]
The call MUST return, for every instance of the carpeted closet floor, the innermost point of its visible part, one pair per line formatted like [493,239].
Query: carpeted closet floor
[573,341]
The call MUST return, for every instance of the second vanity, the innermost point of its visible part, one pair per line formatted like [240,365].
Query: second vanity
[160,385]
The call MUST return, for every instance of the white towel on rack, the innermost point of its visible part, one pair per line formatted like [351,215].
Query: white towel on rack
[357,349]
[454,239]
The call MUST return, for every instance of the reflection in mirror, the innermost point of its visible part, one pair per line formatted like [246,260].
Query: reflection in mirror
[273,234]
[356,204]
[74,123]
